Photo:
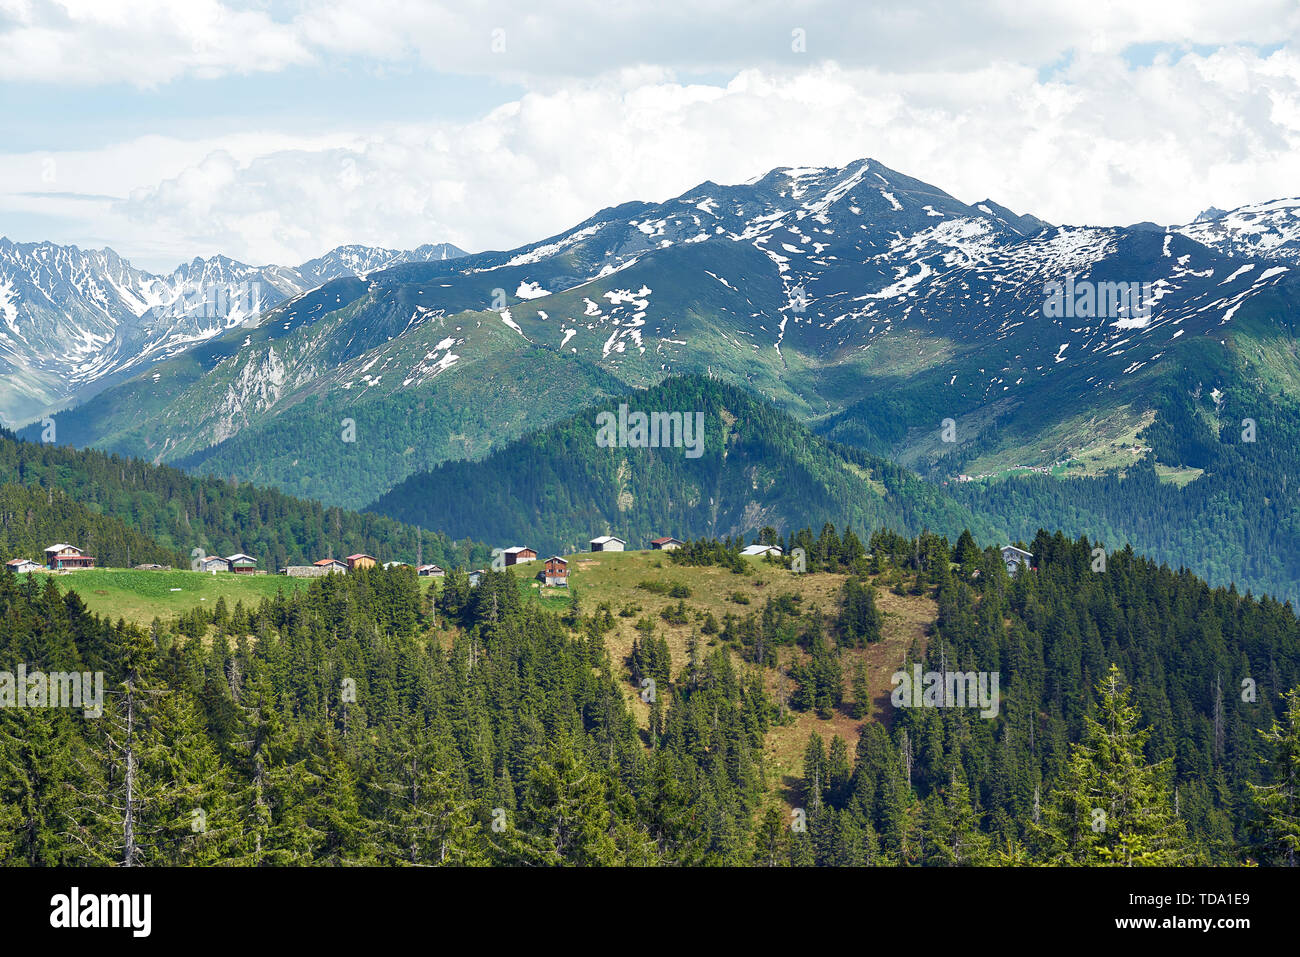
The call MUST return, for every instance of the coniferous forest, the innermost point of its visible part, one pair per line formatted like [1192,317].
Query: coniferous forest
[105,503]
[1144,718]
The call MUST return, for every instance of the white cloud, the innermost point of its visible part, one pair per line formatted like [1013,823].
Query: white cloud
[148,42]
[143,42]
[1041,112]
[77,194]
[1111,145]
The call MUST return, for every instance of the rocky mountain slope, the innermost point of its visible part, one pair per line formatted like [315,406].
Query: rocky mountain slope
[73,321]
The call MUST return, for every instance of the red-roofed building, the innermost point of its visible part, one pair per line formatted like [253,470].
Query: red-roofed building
[67,557]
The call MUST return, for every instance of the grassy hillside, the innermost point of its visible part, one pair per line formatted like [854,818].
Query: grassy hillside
[770,699]
[142,596]
[615,580]
[611,579]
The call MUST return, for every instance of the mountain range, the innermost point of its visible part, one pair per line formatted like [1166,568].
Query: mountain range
[987,351]
[73,321]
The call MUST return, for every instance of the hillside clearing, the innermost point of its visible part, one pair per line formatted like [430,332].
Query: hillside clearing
[141,596]
[613,577]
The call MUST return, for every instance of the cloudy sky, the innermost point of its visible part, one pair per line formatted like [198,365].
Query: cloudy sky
[272,132]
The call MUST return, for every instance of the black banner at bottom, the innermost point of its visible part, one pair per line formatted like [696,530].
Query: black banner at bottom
[335,906]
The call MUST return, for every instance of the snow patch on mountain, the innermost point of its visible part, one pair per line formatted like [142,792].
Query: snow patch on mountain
[531,290]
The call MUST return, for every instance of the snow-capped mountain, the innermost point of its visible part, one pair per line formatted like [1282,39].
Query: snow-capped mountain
[363,260]
[1268,230]
[871,303]
[73,320]
[834,263]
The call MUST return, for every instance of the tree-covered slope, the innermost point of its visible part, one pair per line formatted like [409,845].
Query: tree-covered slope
[1210,483]
[395,429]
[33,518]
[351,723]
[757,467]
[135,501]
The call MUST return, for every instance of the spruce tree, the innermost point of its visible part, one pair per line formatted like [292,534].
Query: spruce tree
[1110,806]
[1277,804]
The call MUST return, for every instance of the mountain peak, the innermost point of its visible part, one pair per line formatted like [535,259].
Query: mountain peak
[1025,224]
[1267,230]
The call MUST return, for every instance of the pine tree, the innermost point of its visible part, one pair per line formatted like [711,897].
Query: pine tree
[43,762]
[327,821]
[861,690]
[815,777]
[156,790]
[425,811]
[770,839]
[1110,806]
[952,834]
[271,784]
[1277,804]
[566,810]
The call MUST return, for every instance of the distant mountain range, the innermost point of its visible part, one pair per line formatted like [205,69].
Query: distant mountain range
[1261,230]
[967,343]
[72,321]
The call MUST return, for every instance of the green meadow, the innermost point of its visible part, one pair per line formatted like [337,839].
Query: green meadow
[140,596]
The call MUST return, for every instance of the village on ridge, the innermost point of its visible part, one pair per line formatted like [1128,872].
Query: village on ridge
[63,558]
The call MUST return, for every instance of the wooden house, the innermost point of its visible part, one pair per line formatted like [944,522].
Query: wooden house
[519,554]
[556,572]
[360,560]
[330,566]
[214,563]
[242,564]
[608,543]
[667,544]
[1015,558]
[59,557]
[430,571]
